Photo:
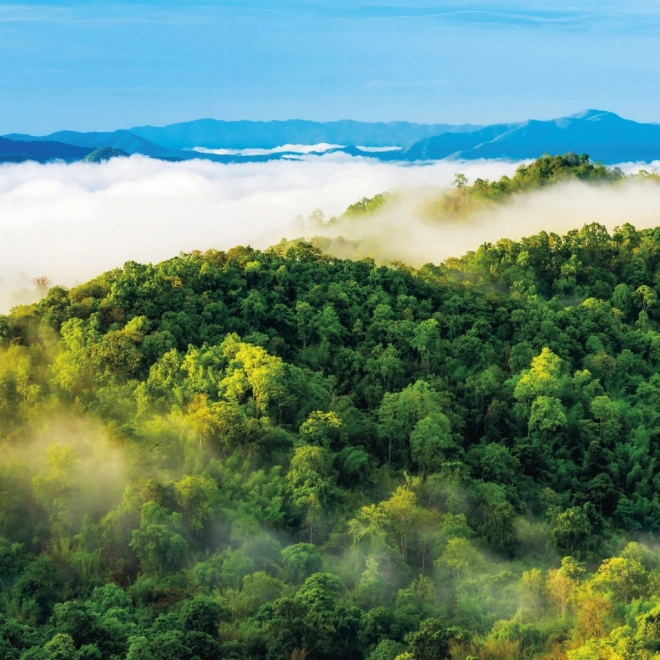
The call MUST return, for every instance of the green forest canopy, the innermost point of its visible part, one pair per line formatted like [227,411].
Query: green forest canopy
[463,199]
[282,455]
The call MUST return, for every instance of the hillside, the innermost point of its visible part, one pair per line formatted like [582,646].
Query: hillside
[124,140]
[104,153]
[16,151]
[215,134]
[464,199]
[603,135]
[448,144]
[281,454]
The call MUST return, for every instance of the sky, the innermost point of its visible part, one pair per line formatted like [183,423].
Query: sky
[107,65]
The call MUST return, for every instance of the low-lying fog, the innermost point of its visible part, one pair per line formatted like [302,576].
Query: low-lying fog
[71,222]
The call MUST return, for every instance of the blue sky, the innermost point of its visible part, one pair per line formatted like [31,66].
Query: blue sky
[106,65]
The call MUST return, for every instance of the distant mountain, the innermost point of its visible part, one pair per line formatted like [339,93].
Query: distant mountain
[121,139]
[217,134]
[17,151]
[442,146]
[603,135]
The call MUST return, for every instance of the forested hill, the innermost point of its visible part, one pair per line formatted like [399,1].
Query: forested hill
[465,199]
[281,454]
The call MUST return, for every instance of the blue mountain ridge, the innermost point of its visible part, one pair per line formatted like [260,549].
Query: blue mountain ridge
[602,135]
[14,151]
[121,139]
[218,134]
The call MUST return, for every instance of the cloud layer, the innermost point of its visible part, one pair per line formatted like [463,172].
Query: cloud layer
[71,222]
[400,233]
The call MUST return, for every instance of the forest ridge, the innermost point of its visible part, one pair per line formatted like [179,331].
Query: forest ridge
[280,454]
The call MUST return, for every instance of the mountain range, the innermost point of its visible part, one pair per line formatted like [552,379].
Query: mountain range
[605,136]
[15,151]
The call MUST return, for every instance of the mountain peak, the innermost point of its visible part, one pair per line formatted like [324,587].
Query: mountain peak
[593,114]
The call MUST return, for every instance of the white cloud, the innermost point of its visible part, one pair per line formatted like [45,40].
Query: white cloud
[378,149]
[321,147]
[400,233]
[72,222]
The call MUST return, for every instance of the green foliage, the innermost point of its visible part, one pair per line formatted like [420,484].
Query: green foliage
[201,614]
[101,154]
[545,171]
[155,542]
[283,454]
[300,561]
[430,642]
[367,205]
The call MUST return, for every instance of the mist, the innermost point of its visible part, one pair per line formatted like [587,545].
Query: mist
[400,232]
[72,222]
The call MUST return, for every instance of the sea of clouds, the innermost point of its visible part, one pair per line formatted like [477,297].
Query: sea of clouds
[71,222]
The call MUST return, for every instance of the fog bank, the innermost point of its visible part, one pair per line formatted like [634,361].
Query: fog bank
[399,231]
[71,222]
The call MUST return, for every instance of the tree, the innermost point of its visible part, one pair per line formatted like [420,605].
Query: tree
[547,415]
[430,642]
[430,440]
[320,428]
[260,588]
[251,370]
[200,414]
[319,592]
[425,337]
[196,494]
[329,327]
[461,558]
[300,561]
[42,284]
[571,532]
[460,180]
[61,647]
[399,413]
[401,514]
[606,412]
[78,621]
[532,591]
[312,482]
[648,297]
[305,322]
[387,649]
[236,565]
[156,543]
[42,585]
[499,527]
[201,614]
[542,379]
[561,583]
[592,611]
[625,578]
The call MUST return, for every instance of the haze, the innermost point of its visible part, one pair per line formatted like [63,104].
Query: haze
[72,222]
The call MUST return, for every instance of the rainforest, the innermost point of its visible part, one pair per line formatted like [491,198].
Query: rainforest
[286,455]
